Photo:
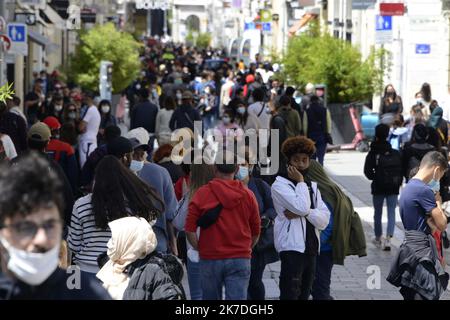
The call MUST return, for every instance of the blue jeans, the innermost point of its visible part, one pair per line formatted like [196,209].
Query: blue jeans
[193,273]
[378,201]
[234,274]
[322,281]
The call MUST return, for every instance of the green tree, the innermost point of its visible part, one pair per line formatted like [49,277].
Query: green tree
[318,57]
[203,40]
[104,42]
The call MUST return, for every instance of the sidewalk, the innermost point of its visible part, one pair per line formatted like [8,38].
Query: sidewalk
[349,282]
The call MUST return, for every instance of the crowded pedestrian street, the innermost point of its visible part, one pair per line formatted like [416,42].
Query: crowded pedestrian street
[252,152]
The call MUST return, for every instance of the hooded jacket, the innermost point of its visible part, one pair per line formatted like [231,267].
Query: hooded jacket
[290,235]
[239,221]
[184,117]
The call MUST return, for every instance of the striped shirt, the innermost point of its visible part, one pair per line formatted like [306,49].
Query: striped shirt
[85,240]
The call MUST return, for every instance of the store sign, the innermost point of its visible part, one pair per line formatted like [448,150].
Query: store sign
[392,9]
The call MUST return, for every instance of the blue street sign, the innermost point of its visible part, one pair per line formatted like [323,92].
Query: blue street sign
[17,32]
[266,26]
[423,48]
[383,23]
[249,26]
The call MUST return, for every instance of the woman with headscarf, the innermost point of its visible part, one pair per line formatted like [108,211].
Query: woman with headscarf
[133,271]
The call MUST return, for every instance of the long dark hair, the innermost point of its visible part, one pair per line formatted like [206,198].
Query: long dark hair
[385,92]
[119,193]
[426,92]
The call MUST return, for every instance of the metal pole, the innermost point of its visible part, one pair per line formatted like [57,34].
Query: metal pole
[149,22]
[2,53]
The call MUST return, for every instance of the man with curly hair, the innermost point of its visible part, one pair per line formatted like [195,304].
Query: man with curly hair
[301,213]
[31,224]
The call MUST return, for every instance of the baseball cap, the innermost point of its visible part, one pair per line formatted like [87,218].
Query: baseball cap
[52,123]
[136,144]
[39,132]
[140,134]
[119,146]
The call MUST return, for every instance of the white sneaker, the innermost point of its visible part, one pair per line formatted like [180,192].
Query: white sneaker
[387,244]
[377,242]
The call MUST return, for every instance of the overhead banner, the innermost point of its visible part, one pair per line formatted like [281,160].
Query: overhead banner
[363,4]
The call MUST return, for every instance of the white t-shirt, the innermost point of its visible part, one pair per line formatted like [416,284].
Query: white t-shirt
[264,117]
[93,119]
[8,145]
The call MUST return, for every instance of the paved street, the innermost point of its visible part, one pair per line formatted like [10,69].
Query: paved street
[349,282]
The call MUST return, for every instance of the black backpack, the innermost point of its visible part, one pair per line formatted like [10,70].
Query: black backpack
[388,170]
[173,267]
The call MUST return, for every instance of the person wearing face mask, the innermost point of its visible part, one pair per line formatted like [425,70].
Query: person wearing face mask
[158,178]
[301,214]
[107,119]
[264,252]
[244,119]
[88,127]
[62,152]
[383,166]
[31,225]
[117,193]
[227,128]
[69,125]
[423,220]
[391,105]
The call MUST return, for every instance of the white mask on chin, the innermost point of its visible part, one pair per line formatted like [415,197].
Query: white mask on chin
[32,268]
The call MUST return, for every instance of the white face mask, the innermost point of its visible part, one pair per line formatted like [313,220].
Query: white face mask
[31,268]
[58,108]
[179,96]
[105,109]
[136,166]
[241,110]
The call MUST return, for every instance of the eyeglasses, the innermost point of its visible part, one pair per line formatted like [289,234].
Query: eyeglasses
[29,229]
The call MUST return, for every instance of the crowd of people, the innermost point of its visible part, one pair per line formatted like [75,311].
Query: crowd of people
[414,151]
[79,190]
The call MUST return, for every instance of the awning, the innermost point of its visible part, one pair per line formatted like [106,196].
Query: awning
[301,23]
[39,39]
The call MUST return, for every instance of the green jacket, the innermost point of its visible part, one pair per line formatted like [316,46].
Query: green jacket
[292,121]
[348,234]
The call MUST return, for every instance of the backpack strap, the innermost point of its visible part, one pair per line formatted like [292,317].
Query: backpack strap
[262,109]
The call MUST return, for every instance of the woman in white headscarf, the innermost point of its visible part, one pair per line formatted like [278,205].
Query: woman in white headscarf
[132,273]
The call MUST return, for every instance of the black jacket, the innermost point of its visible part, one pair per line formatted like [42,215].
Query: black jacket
[417,266]
[144,115]
[150,281]
[16,128]
[184,117]
[414,149]
[54,288]
[376,149]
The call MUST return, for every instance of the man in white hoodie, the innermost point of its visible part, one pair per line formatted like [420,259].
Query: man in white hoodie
[301,214]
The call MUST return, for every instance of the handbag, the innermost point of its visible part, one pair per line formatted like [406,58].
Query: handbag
[209,217]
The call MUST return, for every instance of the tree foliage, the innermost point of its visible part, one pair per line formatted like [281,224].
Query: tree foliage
[104,42]
[318,57]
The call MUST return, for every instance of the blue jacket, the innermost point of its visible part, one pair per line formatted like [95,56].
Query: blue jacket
[159,178]
[325,235]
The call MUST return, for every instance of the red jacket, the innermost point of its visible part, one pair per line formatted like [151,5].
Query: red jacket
[57,147]
[239,221]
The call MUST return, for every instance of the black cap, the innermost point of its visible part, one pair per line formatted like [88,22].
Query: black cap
[136,144]
[120,146]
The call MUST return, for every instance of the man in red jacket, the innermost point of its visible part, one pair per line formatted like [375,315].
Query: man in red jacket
[224,247]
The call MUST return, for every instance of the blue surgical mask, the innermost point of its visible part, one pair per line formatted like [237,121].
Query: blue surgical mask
[435,185]
[242,173]
[136,166]
[241,110]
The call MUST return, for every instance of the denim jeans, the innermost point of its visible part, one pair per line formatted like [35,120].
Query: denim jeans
[193,274]
[321,149]
[378,201]
[322,281]
[296,275]
[234,274]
